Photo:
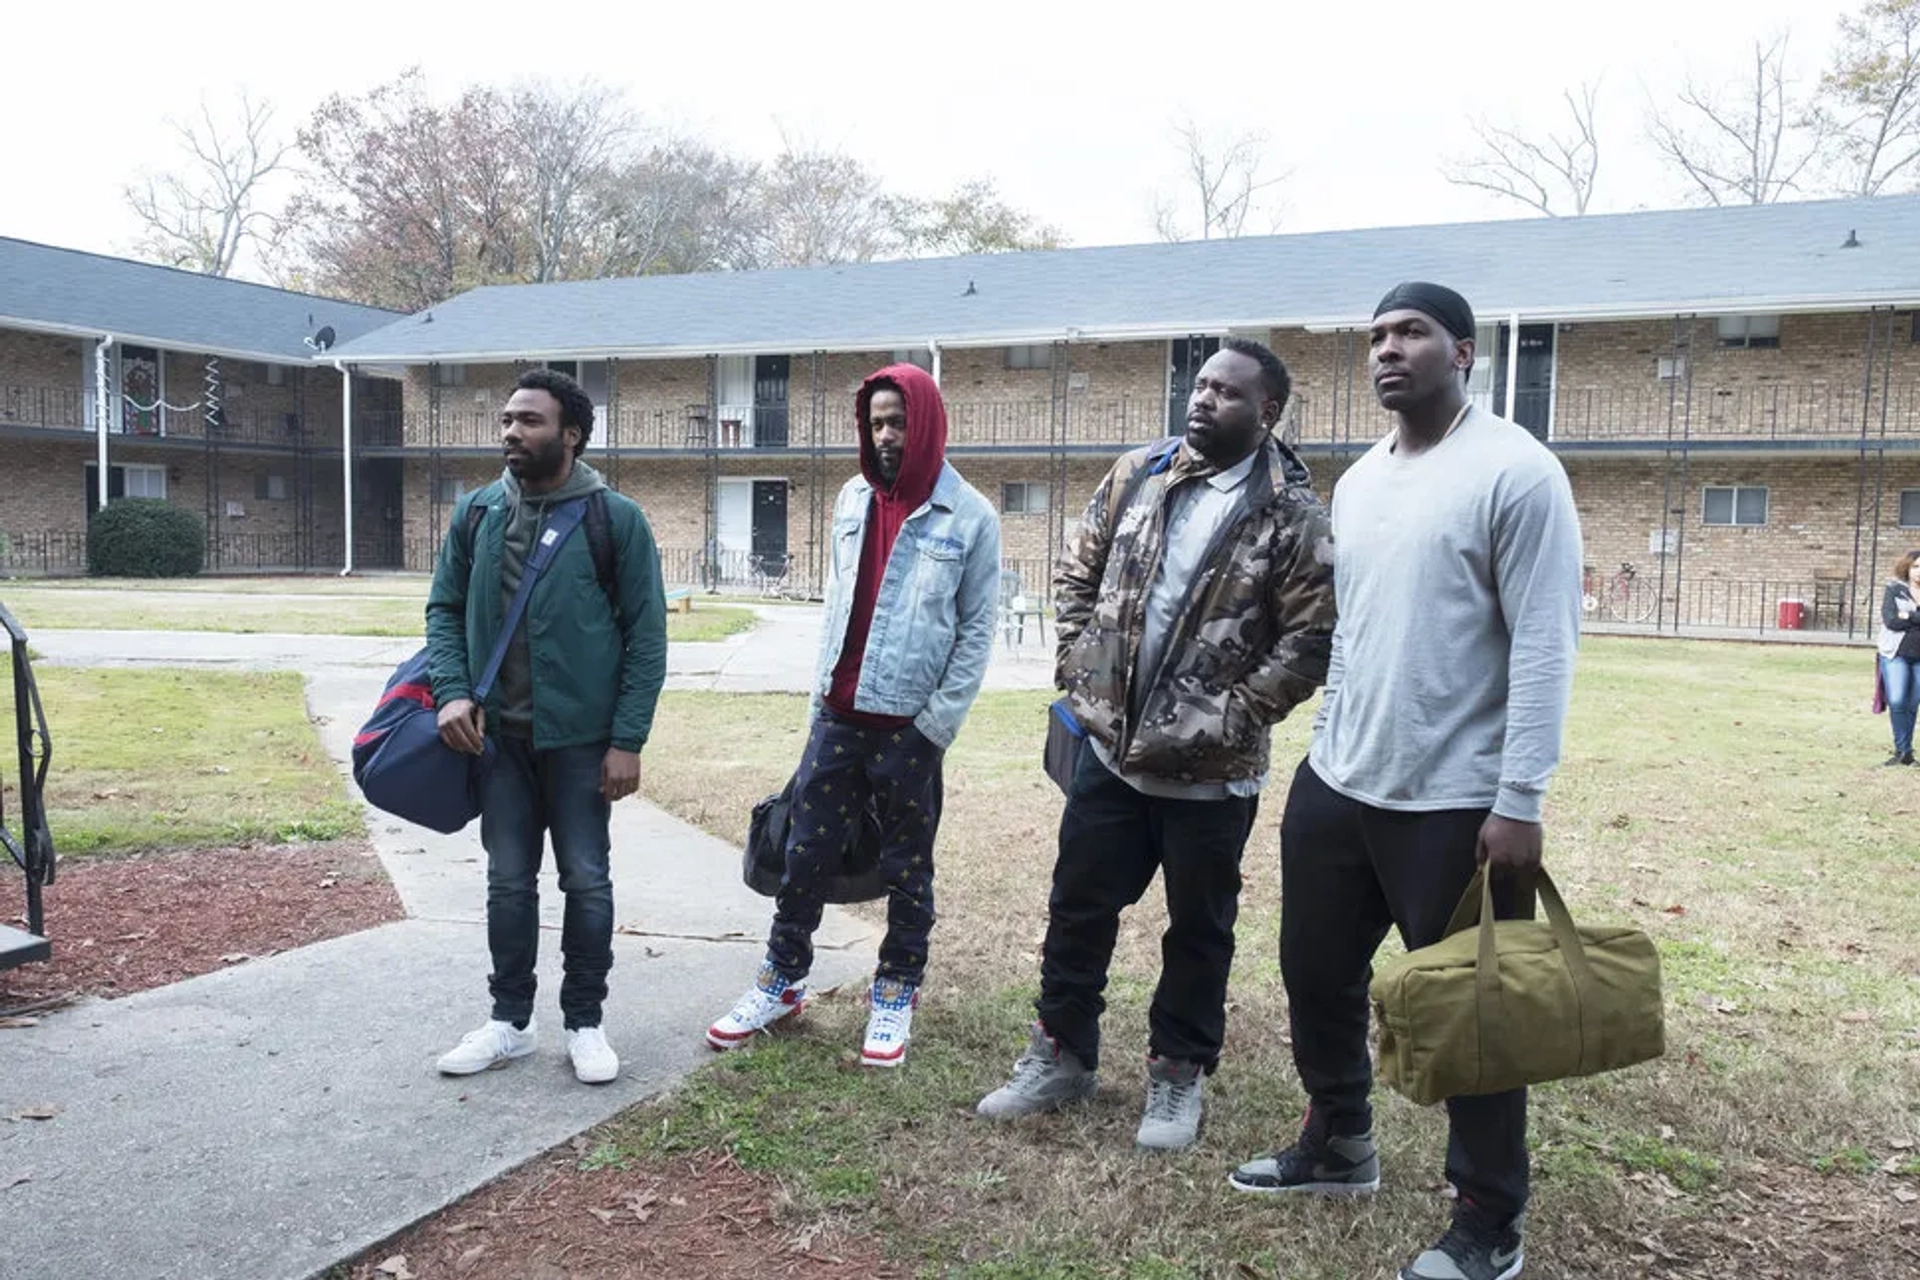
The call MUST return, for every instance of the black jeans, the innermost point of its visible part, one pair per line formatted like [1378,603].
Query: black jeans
[842,767]
[530,795]
[1348,872]
[1112,839]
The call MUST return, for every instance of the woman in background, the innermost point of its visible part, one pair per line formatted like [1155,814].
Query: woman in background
[1900,652]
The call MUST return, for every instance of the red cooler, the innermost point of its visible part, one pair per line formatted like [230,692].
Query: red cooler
[1793,614]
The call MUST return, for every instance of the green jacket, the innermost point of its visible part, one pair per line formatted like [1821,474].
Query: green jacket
[594,679]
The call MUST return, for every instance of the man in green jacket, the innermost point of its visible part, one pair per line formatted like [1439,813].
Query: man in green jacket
[568,713]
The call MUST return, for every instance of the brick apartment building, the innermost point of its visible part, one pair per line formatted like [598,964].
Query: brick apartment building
[1735,392]
[215,402]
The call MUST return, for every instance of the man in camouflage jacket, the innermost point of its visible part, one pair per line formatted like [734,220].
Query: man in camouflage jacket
[1195,610]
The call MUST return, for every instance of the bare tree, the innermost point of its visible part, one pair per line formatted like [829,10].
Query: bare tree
[1743,144]
[974,219]
[568,143]
[1222,178]
[1537,171]
[201,215]
[1870,97]
[818,207]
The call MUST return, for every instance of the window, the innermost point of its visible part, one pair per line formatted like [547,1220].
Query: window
[276,375]
[1672,368]
[1749,331]
[268,487]
[447,489]
[1038,356]
[1733,505]
[1910,508]
[919,357]
[449,375]
[1023,498]
[146,482]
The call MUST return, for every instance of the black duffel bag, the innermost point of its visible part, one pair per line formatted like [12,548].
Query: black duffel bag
[764,865]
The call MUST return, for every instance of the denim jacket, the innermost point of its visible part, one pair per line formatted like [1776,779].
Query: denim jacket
[933,620]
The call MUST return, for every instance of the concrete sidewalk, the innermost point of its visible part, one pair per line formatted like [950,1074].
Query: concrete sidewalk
[277,1117]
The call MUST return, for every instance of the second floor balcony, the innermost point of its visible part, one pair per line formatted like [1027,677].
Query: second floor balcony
[68,409]
[1813,414]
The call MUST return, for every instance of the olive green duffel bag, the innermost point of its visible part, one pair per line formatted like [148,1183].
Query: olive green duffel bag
[1516,1002]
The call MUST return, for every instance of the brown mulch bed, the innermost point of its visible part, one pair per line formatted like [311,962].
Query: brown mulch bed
[550,1219]
[124,924]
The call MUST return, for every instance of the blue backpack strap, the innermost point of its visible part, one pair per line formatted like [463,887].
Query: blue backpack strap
[560,524]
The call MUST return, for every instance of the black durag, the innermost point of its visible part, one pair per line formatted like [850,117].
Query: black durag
[1435,300]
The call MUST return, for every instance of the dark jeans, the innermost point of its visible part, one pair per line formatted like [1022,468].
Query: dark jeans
[1112,839]
[1348,871]
[842,767]
[530,795]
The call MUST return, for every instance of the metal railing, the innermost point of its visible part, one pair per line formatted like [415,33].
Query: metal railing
[1655,413]
[1647,600]
[64,408]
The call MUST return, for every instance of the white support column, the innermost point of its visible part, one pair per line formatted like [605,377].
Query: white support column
[1513,365]
[102,386]
[346,461]
[933,345]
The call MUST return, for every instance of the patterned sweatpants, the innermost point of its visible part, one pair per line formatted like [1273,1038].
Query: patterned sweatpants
[843,766]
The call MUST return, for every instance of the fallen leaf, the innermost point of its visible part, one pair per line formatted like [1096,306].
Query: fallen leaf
[134,937]
[1675,910]
[471,1256]
[678,1202]
[37,1113]
[396,1266]
[235,957]
[108,794]
[1901,1144]
[1666,1133]
[606,1216]
[1856,1016]
[329,882]
[18,1024]
[1720,1004]
[1905,1195]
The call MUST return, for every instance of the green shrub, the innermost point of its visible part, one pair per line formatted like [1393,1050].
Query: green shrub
[145,538]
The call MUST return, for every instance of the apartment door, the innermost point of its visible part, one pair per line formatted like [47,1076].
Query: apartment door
[1533,379]
[770,377]
[1184,358]
[770,522]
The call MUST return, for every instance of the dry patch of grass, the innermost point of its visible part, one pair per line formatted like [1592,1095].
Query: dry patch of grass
[1727,799]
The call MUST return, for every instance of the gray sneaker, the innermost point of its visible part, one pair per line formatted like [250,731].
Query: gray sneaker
[1172,1117]
[1322,1164]
[1045,1078]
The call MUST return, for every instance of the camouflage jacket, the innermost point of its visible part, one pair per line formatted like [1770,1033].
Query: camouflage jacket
[1250,644]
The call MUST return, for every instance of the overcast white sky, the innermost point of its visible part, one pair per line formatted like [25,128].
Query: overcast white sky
[1067,106]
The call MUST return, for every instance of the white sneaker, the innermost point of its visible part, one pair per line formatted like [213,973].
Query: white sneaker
[594,1061]
[493,1045]
[770,999]
[890,1025]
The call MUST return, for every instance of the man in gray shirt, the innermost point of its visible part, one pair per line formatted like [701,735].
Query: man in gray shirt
[1457,571]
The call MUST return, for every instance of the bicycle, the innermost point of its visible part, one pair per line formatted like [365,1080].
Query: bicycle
[1624,596]
[772,577]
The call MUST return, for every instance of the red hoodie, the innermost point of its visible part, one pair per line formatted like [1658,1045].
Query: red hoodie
[922,455]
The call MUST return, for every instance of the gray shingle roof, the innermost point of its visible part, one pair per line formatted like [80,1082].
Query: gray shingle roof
[1774,257]
[49,287]
[1634,263]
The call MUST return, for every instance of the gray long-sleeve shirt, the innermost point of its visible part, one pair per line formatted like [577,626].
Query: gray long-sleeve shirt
[1457,573]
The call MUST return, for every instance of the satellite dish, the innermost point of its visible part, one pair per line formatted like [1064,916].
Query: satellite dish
[323,339]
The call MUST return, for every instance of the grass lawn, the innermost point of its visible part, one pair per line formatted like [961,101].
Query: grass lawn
[177,759]
[1727,799]
[200,605]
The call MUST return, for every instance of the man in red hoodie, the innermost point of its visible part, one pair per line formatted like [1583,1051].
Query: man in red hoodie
[912,593]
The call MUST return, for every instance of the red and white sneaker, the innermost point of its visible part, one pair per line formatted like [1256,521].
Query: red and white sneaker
[770,999]
[890,1025]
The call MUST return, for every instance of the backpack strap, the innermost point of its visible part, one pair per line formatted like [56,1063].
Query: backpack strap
[606,556]
[560,524]
[599,524]
[1159,458]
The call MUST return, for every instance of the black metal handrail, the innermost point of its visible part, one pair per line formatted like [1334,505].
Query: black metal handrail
[32,849]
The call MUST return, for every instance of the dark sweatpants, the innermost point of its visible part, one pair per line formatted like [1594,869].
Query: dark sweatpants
[842,766]
[1112,839]
[1348,871]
